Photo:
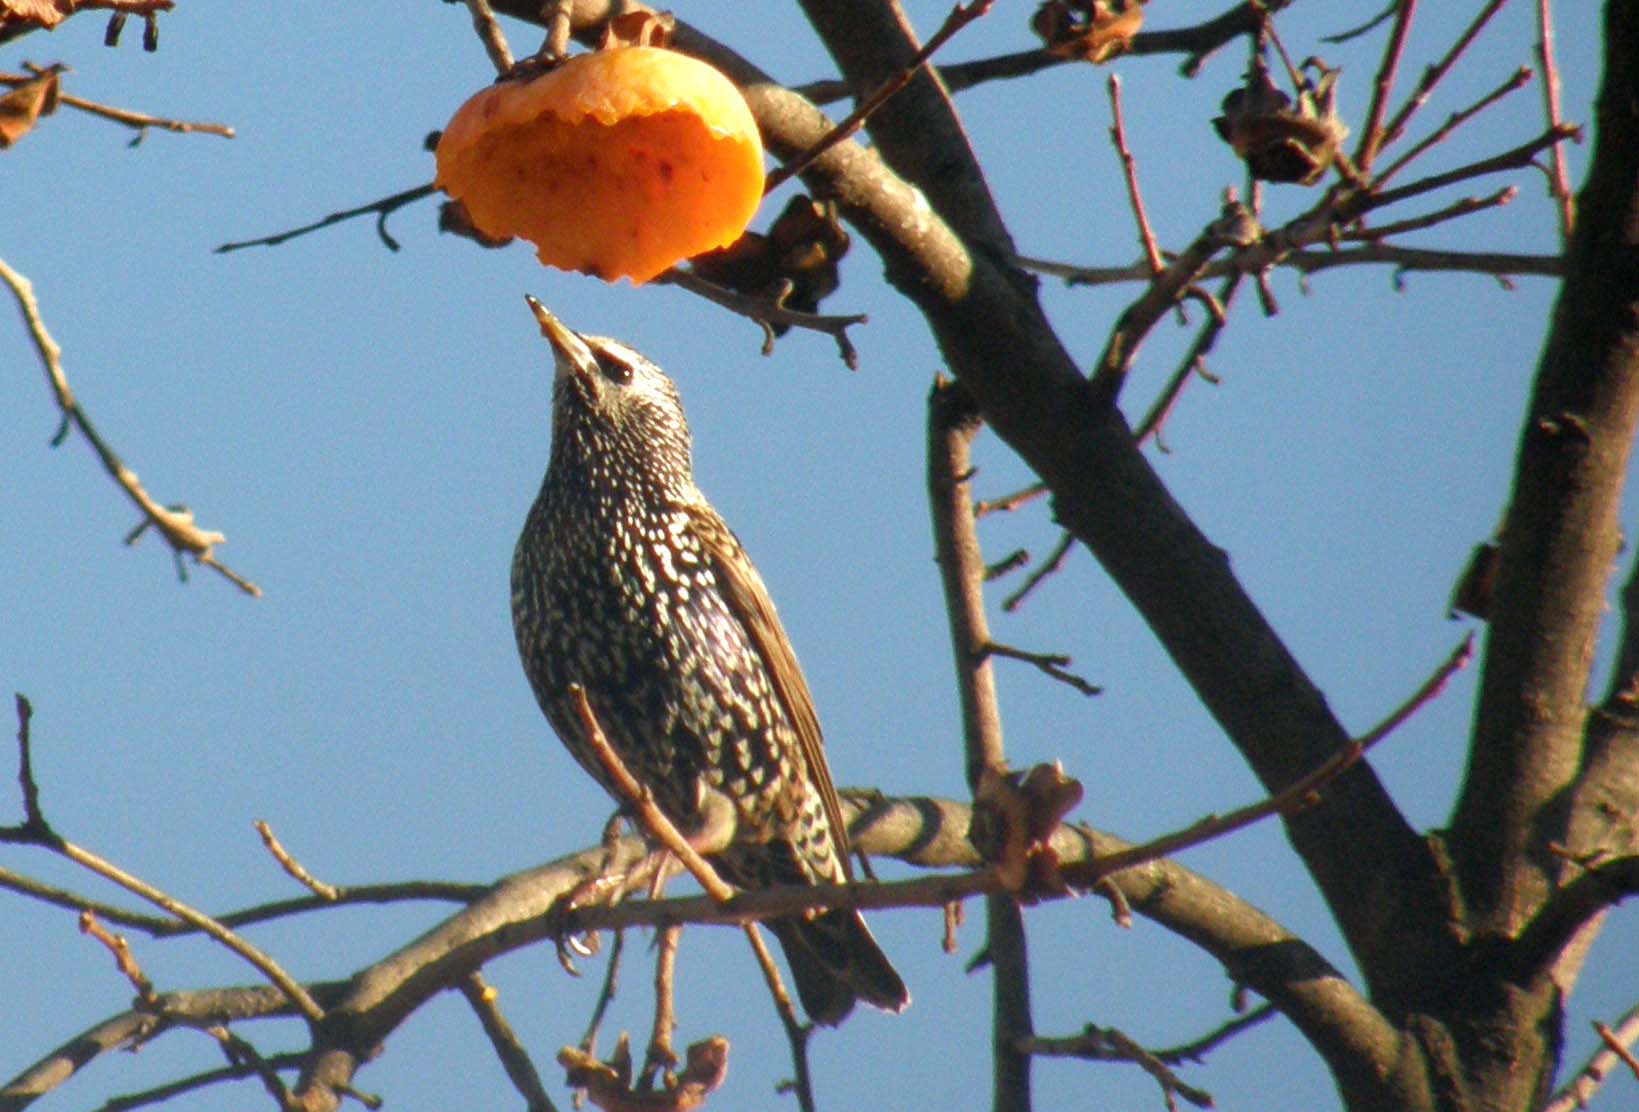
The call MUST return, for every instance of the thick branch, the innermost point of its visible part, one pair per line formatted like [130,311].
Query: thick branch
[1560,535]
[995,338]
[520,910]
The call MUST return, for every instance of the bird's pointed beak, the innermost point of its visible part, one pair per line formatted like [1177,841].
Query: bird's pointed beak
[572,354]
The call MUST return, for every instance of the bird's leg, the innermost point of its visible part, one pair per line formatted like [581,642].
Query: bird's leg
[603,885]
[660,1055]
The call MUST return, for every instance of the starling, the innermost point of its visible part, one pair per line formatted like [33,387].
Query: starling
[626,582]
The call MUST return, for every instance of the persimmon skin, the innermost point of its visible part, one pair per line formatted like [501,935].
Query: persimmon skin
[618,164]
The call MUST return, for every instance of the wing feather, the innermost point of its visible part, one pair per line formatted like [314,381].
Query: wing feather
[748,599]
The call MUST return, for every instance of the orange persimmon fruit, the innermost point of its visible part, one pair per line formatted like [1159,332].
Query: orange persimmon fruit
[616,163]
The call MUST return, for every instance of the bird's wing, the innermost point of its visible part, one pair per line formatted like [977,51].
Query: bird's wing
[748,599]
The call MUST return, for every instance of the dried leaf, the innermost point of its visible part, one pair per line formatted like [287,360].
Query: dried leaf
[610,1088]
[40,13]
[24,105]
[804,246]
[639,28]
[1090,30]
[1014,816]
[1280,142]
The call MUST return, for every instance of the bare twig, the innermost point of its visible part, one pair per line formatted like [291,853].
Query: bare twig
[953,422]
[1372,136]
[293,867]
[37,831]
[489,33]
[1055,561]
[1433,74]
[1514,159]
[1007,565]
[796,1032]
[174,523]
[34,819]
[659,1056]
[1461,207]
[141,121]
[1196,1050]
[960,16]
[383,208]
[1559,178]
[1107,1044]
[641,800]
[606,993]
[767,312]
[1517,80]
[1618,1046]
[1051,664]
[1009,502]
[1302,792]
[1129,172]
[1233,227]
[159,1094]
[1191,365]
[240,1053]
[514,1058]
[1576,1092]
[124,960]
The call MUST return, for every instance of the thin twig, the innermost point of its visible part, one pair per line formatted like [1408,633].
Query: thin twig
[1432,75]
[1051,664]
[1107,1044]
[124,960]
[1576,1092]
[1514,159]
[239,1052]
[1050,566]
[1007,565]
[514,1058]
[1196,1050]
[606,993]
[37,831]
[1302,792]
[1372,136]
[1516,80]
[1464,206]
[1559,178]
[659,1056]
[1233,227]
[1617,1047]
[293,867]
[796,1032]
[140,121]
[641,800]
[489,33]
[960,16]
[159,1094]
[1009,501]
[1129,171]
[382,207]
[1191,365]
[175,524]
[767,312]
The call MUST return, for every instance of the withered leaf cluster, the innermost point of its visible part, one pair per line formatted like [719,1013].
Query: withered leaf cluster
[803,246]
[1278,140]
[1088,30]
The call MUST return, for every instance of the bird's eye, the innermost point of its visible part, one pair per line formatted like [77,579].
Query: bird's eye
[614,369]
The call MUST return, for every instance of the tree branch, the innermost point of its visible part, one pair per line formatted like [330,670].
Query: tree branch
[1560,535]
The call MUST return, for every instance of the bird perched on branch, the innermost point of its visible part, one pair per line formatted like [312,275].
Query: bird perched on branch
[628,584]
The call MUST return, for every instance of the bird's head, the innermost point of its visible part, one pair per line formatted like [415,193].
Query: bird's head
[612,404]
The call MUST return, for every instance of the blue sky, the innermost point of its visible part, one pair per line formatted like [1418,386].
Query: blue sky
[369,428]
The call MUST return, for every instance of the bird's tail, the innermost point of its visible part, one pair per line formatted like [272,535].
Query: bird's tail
[836,962]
